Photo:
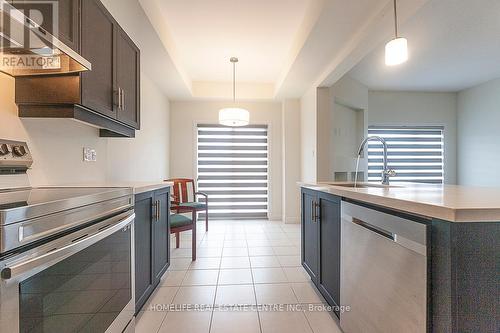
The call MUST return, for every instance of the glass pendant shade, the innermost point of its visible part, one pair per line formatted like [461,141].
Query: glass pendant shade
[396,52]
[234,117]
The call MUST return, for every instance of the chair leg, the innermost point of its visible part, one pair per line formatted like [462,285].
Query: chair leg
[206,220]
[177,240]
[193,236]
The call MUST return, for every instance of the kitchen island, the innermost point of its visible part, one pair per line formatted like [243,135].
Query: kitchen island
[455,230]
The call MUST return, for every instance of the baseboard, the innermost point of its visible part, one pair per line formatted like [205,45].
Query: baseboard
[275,218]
[291,220]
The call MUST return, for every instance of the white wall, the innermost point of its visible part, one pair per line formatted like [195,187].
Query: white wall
[323,130]
[57,144]
[419,108]
[291,160]
[347,110]
[145,158]
[318,126]
[308,135]
[183,119]
[479,135]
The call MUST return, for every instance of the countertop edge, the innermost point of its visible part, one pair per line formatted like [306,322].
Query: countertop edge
[456,215]
[138,189]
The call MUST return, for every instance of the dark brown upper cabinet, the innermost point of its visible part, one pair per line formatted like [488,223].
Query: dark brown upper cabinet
[127,85]
[108,96]
[98,46]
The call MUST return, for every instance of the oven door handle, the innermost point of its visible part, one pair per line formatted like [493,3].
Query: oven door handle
[57,255]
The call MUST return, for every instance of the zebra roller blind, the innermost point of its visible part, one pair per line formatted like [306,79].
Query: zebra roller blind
[415,153]
[233,170]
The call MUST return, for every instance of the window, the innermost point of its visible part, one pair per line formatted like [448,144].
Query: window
[415,153]
[233,170]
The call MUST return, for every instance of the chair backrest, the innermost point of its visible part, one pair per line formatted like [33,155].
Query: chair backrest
[181,194]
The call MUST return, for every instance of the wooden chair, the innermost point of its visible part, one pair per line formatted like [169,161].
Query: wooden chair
[180,200]
[180,223]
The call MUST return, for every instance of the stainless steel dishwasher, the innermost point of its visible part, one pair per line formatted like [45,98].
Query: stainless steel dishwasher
[383,272]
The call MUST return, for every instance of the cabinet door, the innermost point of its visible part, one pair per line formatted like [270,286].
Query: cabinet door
[69,23]
[161,234]
[98,37]
[127,79]
[144,283]
[310,235]
[43,12]
[329,249]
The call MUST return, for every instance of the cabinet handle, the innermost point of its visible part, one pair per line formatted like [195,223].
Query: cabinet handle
[159,210]
[119,98]
[317,210]
[123,100]
[154,211]
[312,210]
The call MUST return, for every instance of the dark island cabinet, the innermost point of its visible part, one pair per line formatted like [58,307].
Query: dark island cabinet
[152,242]
[321,242]
[144,282]
[161,233]
[310,234]
[329,216]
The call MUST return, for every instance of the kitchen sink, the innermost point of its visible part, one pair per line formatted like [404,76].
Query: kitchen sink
[363,185]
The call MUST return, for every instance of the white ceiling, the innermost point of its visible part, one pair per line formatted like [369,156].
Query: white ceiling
[453,45]
[339,23]
[207,33]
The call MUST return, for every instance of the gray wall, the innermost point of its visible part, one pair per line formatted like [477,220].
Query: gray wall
[479,135]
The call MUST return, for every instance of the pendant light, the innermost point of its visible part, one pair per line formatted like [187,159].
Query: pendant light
[396,51]
[234,116]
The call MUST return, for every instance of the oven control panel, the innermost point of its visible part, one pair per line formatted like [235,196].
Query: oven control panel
[14,155]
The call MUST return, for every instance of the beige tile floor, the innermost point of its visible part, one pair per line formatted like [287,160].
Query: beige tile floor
[252,264]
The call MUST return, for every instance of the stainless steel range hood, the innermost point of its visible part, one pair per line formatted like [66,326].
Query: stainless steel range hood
[26,49]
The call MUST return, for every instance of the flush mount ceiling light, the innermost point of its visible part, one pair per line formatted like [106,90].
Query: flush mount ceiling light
[396,51]
[234,116]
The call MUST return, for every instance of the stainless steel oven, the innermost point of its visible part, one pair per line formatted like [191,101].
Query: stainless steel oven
[66,253]
[81,281]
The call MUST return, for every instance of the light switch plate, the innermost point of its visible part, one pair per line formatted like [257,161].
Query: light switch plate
[89,155]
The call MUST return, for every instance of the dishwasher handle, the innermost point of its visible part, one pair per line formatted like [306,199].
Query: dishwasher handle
[374,229]
[394,237]
[407,233]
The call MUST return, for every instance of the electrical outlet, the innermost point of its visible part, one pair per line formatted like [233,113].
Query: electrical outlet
[89,155]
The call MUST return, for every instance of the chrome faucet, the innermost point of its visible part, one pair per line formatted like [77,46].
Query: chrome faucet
[386,173]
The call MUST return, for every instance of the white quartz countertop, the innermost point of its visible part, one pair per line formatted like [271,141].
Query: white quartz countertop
[139,187]
[447,202]
[151,186]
